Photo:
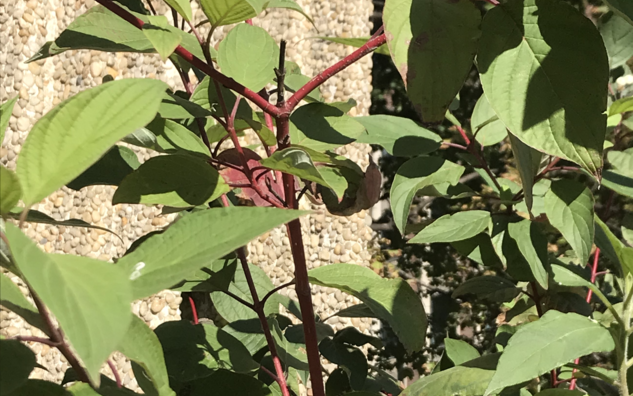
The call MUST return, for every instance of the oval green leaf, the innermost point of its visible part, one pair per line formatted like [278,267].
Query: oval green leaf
[94,309]
[617,34]
[141,345]
[524,63]
[249,55]
[163,39]
[486,125]
[193,242]
[391,300]
[10,190]
[569,208]
[416,174]
[227,12]
[532,245]
[75,134]
[550,342]
[400,136]
[6,109]
[172,180]
[432,44]
[456,227]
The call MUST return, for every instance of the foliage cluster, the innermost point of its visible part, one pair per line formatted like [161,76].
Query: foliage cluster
[544,69]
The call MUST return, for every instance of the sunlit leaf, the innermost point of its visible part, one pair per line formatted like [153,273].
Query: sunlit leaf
[532,245]
[550,342]
[400,136]
[524,56]
[10,190]
[460,351]
[323,127]
[193,242]
[94,309]
[416,174]
[183,7]
[432,44]
[486,125]
[5,114]
[227,12]
[617,34]
[456,227]
[569,208]
[249,55]
[141,345]
[76,133]
[392,300]
[623,8]
[173,180]
[162,38]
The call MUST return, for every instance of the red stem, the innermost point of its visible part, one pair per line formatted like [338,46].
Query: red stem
[117,377]
[194,311]
[482,161]
[40,340]
[200,64]
[259,309]
[302,285]
[319,79]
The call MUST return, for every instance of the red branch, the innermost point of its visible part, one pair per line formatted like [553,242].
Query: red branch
[200,64]
[319,79]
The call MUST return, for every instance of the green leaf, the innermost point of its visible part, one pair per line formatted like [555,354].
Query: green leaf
[76,133]
[196,351]
[295,334]
[627,228]
[183,7]
[617,35]
[355,42]
[488,287]
[418,35]
[100,29]
[616,251]
[455,227]
[550,342]
[35,216]
[10,190]
[416,174]
[479,249]
[293,82]
[528,162]
[173,180]
[569,208]
[400,136]
[17,363]
[622,161]
[94,309]
[296,162]
[12,299]
[35,387]
[571,275]
[356,311]
[618,182]
[460,351]
[524,56]
[291,354]
[162,38]
[206,96]
[350,359]
[249,55]
[623,8]
[470,379]
[195,240]
[229,383]
[290,5]
[227,12]
[141,345]
[391,300]
[6,109]
[231,309]
[323,127]
[485,124]
[174,107]
[170,137]
[621,106]
[532,245]
[110,169]
[215,277]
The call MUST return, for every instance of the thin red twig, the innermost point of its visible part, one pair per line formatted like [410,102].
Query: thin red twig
[194,311]
[40,340]
[319,79]
[117,377]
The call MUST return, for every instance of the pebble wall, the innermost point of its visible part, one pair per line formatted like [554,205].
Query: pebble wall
[26,25]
